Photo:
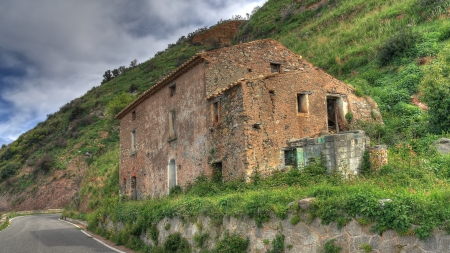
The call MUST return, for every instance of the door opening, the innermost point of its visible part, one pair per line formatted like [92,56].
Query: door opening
[217,171]
[332,114]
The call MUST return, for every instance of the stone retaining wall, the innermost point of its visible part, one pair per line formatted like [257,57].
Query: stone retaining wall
[303,237]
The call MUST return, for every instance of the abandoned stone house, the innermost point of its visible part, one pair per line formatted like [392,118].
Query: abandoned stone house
[233,110]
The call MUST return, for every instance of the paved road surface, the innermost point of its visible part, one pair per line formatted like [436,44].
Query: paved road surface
[46,234]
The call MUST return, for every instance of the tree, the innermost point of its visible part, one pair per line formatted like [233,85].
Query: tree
[115,72]
[435,86]
[107,76]
[133,63]
[122,70]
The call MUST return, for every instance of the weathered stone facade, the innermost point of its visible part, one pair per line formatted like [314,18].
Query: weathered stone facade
[234,109]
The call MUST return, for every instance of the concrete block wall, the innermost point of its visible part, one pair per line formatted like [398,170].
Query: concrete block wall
[343,151]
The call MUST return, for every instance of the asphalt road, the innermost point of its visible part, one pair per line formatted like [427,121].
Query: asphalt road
[46,234]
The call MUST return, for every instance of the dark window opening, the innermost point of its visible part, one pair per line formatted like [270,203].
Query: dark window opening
[216,112]
[172,89]
[133,115]
[290,158]
[275,67]
[332,114]
[133,188]
[217,171]
[302,103]
[271,92]
[133,140]
[179,166]
[249,70]
[172,134]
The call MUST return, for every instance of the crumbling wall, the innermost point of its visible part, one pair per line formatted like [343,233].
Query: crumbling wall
[226,136]
[154,149]
[249,60]
[273,117]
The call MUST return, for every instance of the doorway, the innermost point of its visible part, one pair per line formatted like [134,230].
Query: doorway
[332,114]
[217,172]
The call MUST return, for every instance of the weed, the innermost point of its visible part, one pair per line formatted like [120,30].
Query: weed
[329,247]
[167,226]
[366,247]
[200,239]
[295,220]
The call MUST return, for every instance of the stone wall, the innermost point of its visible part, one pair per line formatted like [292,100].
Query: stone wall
[150,162]
[249,60]
[226,136]
[343,151]
[305,237]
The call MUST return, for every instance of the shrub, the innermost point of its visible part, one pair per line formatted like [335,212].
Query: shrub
[8,170]
[232,243]
[396,46]
[118,103]
[329,247]
[45,163]
[176,243]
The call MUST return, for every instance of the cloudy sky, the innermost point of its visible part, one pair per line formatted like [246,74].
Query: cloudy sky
[54,51]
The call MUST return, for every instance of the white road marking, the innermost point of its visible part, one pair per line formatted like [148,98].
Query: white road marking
[86,233]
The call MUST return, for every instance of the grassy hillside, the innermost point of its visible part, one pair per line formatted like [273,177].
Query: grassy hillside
[394,51]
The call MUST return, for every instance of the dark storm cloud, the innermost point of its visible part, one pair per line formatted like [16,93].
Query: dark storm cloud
[54,51]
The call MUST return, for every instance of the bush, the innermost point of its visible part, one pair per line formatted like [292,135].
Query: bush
[118,103]
[45,163]
[329,247]
[176,243]
[396,46]
[8,171]
[232,243]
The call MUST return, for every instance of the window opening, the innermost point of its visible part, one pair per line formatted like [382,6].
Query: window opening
[133,140]
[125,186]
[302,103]
[289,157]
[172,89]
[172,125]
[275,67]
[133,188]
[216,112]
[217,171]
[133,115]
[172,174]
[332,114]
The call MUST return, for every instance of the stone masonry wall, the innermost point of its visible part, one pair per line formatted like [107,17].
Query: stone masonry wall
[303,237]
[154,149]
[249,60]
[226,137]
[343,151]
[273,119]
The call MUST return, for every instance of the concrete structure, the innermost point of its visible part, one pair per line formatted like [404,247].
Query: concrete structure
[230,111]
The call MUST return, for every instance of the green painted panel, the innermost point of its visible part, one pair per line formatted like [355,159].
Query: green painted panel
[300,159]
